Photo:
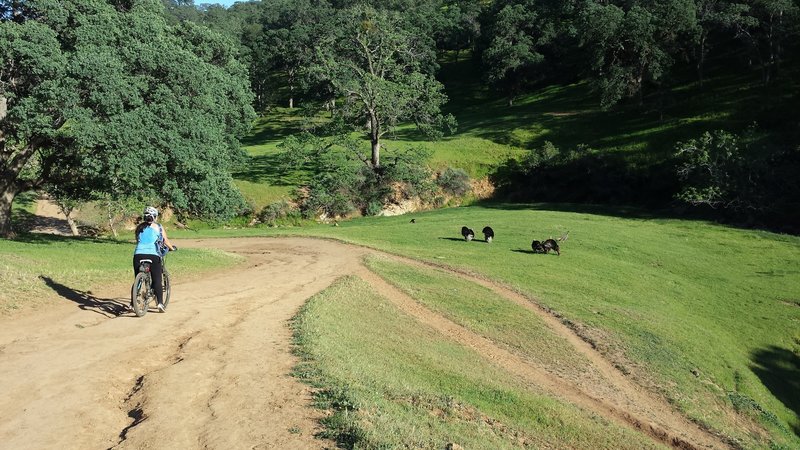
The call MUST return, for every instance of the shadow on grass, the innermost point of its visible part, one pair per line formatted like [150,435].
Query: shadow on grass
[49,239]
[53,223]
[570,114]
[109,307]
[779,370]
[22,220]
[626,212]
[453,239]
[696,214]
[521,250]
[26,199]
[269,169]
[483,241]
[271,129]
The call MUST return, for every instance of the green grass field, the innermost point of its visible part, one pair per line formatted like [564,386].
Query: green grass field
[668,297]
[705,315]
[396,384]
[480,310]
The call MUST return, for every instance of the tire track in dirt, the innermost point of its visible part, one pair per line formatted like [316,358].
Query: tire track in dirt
[625,403]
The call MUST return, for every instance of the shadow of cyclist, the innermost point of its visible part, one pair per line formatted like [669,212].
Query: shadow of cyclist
[109,307]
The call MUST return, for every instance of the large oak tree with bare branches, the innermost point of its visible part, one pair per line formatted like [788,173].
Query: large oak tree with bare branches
[383,68]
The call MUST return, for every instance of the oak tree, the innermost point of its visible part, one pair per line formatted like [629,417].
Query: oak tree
[109,98]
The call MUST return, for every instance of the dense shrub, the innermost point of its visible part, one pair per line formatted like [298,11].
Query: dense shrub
[745,179]
[409,170]
[454,181]
[713,172]
[581,175]
[279,212]
[373,208]
[754,182]
[347,185]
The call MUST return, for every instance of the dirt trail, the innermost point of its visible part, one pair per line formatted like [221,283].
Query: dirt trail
[50,219]
[610,395]
[214,372]
[606,389]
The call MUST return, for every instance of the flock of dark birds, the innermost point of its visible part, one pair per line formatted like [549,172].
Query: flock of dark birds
[543,247]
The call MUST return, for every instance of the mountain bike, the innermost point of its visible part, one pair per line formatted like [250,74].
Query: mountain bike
[142,292]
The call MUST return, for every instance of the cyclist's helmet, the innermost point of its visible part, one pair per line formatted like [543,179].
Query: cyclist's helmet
[150,214]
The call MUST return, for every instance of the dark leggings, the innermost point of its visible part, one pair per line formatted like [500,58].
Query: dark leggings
[155,272]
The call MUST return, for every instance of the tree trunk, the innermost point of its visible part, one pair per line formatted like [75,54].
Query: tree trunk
[778,47]
[376,153]
[66,208]
[701,60]
[10,185]
[291,73]
[111,220]
[332,106]
[375,139]
[7,194]
[771,46]
[73,227]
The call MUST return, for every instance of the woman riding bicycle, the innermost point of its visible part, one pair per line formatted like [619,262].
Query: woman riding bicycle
[152,243]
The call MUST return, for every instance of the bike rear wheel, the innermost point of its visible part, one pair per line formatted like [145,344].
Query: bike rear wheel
[165,284]
[140,293]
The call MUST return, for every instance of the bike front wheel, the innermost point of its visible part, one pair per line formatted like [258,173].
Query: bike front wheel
[139,294]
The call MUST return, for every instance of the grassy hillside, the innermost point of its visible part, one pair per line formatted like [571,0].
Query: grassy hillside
[569,114]
[262,182]
[396,384]
[707,316]
[489,131]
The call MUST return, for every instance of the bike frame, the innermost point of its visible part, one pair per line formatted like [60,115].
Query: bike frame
[145,269]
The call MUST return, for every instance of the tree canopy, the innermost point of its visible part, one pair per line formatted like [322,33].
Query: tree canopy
[106,97]
[627,48]
[384,72]
[149,97]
